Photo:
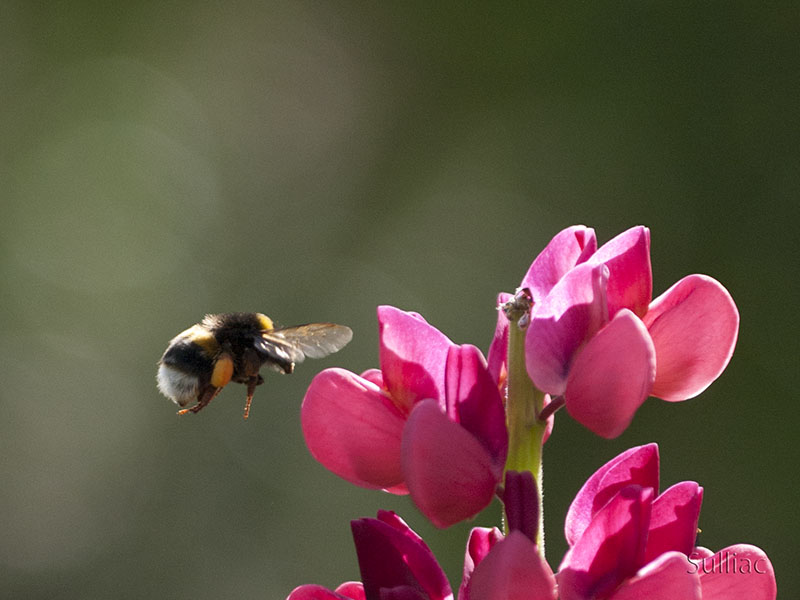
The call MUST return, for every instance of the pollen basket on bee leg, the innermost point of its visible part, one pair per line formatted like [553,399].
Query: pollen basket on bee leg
[223,371]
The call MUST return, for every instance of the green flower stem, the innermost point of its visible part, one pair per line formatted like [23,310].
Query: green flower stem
[525,431]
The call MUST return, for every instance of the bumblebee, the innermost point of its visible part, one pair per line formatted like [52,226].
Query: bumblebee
[222,348]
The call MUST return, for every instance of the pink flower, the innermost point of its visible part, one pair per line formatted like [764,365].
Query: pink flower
[395,564]
[430,423]
[627,542]
[481,541]
[598,340]
[511,567]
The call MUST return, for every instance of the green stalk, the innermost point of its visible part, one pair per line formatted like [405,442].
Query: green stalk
[525,432]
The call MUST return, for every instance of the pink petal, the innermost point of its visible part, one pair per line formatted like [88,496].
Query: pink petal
[637,466]
[513,570]
[666,578]
[353,429]
[412,357]
[630,279]
[737,572]
[373,375]
[567,249]
[449,473]
[396,522]
[611,548]
[481,540]
[400,489]
[352,589]
[694,326]
[700,553]
[498,350]
[570,314]
[473,400]
[402,592]
[612,376]
[673,520]
[317,592]
[392,557]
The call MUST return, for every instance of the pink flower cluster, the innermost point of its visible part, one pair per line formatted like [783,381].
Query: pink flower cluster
[433,423]
[627,542]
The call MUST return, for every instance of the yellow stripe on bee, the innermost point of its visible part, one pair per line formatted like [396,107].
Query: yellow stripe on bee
[223,371]
[265,322]
[203,338]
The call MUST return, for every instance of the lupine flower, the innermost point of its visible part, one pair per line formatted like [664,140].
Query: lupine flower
[395,564]
[510,567]
[627,542]
[597,339]
[480,542]
[512,570]
[430,422]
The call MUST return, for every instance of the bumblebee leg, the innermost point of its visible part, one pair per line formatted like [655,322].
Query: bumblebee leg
[208,395]
[251,388]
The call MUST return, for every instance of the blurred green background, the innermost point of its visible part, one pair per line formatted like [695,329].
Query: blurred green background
[314,160]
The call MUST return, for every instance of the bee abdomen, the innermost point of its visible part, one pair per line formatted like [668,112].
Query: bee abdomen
[182,388]
[181,369]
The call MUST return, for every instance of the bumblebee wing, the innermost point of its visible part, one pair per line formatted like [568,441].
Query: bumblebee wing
[313,340]
[278,351]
